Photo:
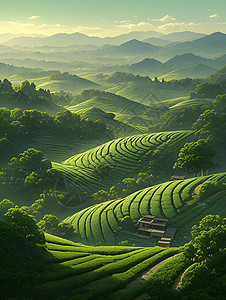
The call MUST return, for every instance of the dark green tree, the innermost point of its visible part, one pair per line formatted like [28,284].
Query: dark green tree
[209,237]
[206,90]
[195,156]
[25,225]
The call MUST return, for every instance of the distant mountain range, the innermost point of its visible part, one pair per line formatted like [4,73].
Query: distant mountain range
[180,66]
[182,36]
[123,48]
[184,65]
[65,39]
[210,45]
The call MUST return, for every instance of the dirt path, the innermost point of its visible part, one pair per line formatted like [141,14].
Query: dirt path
[178,281]
[147,273]
[141,279]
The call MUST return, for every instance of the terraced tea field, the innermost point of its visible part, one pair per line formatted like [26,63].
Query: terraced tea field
[124,155]
[191,103]
[88,272]
[99,223]
[56,149]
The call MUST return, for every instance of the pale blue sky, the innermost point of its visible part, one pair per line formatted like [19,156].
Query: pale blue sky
[102,17]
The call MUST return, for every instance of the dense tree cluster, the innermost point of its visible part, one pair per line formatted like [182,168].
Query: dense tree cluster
[206,90]
[209,237]
[124,188]
[52,225]
[205,279]
[17,126]
[195,156]
[178,119]
[209,188]
[26,94]
[31,171]
[211,126]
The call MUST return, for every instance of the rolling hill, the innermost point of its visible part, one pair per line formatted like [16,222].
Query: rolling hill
[124,156]
[119,128]
[77,271]
[56,81]
[135,47]
[146,66]
[188,71]
[7,70]
[101,222]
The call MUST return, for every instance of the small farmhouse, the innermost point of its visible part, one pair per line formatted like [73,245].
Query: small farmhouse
[156,227]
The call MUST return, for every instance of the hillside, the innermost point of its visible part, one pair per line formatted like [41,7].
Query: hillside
[189,71]
[7,70]
[127,111]
[146,66]
[146,92]
[119,128]
[183,36]
[118,159]
[56,81]
[218,77]
[135,47]
[178,67]
[101,222]
[211,46]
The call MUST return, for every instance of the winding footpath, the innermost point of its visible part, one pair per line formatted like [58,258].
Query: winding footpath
[141,279]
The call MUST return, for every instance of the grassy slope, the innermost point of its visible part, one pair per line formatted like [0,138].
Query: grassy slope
[123,155]
[119,128]
[118,106]
[138,91]
[192,102]
[100,222]
[84,272]
[54,85]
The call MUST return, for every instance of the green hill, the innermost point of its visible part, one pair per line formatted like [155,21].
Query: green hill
[119,128]
[56,82]
[76,271]
[191,71]
[101,222]
[192,102]
[124,109]
[124,157]
[218,77]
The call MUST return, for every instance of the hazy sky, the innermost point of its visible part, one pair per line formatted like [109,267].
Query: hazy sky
[109,18]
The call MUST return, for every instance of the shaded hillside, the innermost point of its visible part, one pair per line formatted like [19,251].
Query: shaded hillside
[211,45]
[146,66]
[56,81]
[218,77]
[135,47]
[109,102]
[183,36]
[189,71]
[7,70]
[146,90]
